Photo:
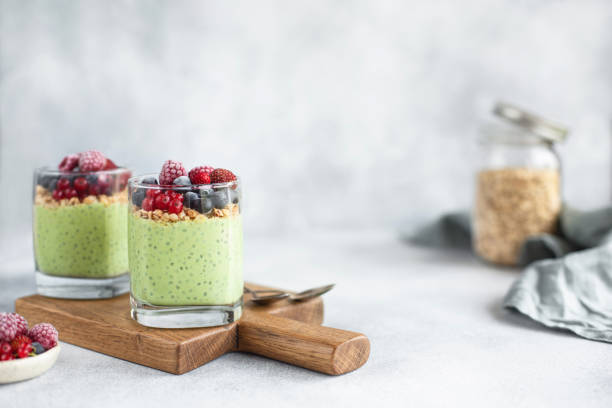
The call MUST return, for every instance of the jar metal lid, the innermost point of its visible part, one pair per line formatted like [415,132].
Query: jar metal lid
[544,128]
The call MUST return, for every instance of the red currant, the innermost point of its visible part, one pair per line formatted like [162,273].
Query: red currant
[63,184]
[95,189]
[153,192]
[147,204]
[69,193]
[162,201]
[58,194]
[81,184]
[176,206]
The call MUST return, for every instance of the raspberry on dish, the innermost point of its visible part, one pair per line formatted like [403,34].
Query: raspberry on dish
[222,176]
[91,160]
[22,324]
[45,334]
[8,327]
[200,174]
[171,169]
[69,163]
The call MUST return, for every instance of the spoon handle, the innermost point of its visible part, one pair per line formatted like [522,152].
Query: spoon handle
[319,348]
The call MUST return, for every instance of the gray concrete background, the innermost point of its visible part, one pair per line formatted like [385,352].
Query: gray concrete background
[335,113]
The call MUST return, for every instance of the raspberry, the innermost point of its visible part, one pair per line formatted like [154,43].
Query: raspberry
[69,162]
[45,334]
[162,201]
[22,324]
[109,165]
[91,160]
[148,204]
[19,341]
[8,327]
[200,175]
[222,176]
[24,350]
[176,206]
[171,170]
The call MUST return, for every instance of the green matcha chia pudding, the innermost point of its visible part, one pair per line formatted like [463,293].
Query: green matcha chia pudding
[185,248]
[80,230]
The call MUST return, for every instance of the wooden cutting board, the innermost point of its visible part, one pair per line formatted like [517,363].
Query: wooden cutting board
[284,331]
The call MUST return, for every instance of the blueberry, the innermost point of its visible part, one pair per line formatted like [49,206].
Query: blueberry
[138,196]
[192,200]
[234,196]
[220,198]
[182,181]
[149,180]
[48,181]
[92,179]
[207,205]
[38,349]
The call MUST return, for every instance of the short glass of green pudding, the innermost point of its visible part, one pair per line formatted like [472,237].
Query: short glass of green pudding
[79,218]
[185,247]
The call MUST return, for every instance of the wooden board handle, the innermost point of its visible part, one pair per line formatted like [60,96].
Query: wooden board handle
[318,348]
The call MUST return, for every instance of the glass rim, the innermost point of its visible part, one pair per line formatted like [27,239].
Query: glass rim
[136,181]
[57,172]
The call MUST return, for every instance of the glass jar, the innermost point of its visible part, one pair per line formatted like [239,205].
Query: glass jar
[80,233]
[185,253]
[518,184]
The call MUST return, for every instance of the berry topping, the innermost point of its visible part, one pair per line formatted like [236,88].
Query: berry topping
[192,200]
[38,348]
[222,176]
[95,189]
[24,350]
[8,327]
[220,198]
[69,162]
[175,206]
[138,196]
[148,204]
[200,174]
[153,192]
[170,171]
[91,160]
[162,201]
[22,323]
[70,193]
[109,165]
[19,341]
[6,357]
[182,181]
[63,183]
[81,185]
[149,180]
[45,334]
[5,347]
[175,194]
[58,194]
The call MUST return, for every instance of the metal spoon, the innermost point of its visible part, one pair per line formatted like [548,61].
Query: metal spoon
[265,297]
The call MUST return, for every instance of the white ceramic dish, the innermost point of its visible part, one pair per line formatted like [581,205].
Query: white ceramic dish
[26,368]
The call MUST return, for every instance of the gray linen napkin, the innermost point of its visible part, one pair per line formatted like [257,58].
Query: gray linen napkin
[572,291]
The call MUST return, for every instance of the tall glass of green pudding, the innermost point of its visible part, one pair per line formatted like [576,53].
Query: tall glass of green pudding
[185,247]
[80,228]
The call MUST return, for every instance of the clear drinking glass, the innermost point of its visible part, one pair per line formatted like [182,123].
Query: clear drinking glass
[185,253]
[80,233]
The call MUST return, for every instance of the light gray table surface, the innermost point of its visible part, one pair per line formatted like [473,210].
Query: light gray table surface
[439,337]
